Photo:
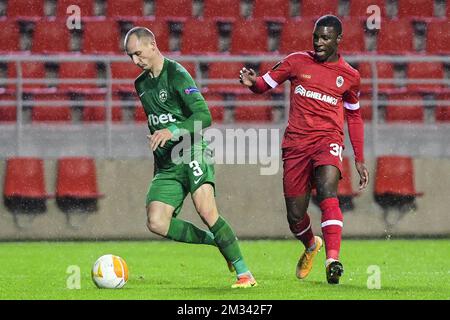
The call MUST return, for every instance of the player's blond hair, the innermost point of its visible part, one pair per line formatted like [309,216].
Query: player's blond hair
[140,33]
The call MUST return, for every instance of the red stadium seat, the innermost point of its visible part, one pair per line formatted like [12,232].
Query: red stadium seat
[415,8]
[98,113]
[316,8]
[160,29]
[101,37]
[190,67]
[297,35]
[437,38]
[227,72]
[214,101]
[10,36]
[86,7]
[200,36]
[170,9]
[77,71]
[365,72]
[32,71]
[51,37]
[367,113]
[42,111]
[124,71]
[395,37]
[385,71]
[404,113]
[269,9]
[24,177]
[425,70]
[139,114]
[353,36]
[8,111]
[217,9]
[25,8]
[125,8]
[358,8]
[395,176]
[345,187]
[77,178]
[442,111]
[247,113]
[249,36]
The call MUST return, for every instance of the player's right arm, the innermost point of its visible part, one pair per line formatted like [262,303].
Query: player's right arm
[274,77]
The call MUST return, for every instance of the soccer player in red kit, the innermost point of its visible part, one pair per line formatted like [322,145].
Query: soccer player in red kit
[324,89]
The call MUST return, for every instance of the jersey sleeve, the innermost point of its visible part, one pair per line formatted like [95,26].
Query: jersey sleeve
[279,73]
[193,100]
[351,96]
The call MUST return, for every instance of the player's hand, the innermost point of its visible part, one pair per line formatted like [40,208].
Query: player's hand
[247,77]
[159,138]
[363,175]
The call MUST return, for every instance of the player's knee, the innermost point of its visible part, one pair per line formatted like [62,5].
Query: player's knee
[326,190]
[156,225]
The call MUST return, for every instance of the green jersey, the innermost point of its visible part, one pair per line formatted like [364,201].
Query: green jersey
[171,101]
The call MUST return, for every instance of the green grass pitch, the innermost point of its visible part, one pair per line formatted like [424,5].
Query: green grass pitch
[164,270]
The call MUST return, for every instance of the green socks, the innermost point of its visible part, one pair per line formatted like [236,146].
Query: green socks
[184,231]
[228,245]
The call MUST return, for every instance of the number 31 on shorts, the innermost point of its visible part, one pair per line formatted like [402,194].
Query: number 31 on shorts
[336,150]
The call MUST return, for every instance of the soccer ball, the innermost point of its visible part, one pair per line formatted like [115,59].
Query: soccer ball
[110,272]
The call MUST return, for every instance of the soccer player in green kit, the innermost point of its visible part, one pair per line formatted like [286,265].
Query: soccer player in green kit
[174,108]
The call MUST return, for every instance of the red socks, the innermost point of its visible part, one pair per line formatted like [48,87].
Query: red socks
[303,232]
[332,223]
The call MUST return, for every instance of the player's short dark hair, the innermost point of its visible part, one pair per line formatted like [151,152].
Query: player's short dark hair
[330,21]
[140,33]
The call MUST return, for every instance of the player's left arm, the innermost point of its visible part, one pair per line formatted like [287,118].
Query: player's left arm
[355,125]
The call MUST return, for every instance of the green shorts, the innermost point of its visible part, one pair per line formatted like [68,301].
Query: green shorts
[172,185]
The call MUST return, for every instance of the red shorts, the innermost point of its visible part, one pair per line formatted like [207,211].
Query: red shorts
[299,162]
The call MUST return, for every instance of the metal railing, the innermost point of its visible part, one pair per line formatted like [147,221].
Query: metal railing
[106,84]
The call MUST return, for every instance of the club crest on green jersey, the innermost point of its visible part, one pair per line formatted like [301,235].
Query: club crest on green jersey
[162,95]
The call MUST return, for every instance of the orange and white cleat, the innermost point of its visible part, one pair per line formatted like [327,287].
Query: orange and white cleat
[305,263]
[245,280]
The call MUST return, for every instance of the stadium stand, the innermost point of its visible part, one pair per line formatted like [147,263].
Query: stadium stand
[296,35]
[359,8]
[272,9]
[400,113]
[249,36]
[76,184]
[216,9]
[415,8]
[48,108]
[51,37]
[252,113]
[72,76]
[437,41]
[25,9]
[10,36]
[24,185]
[394,182]
[417,71]
[396,37]
[95,42]
[214,101]
[92,113]
[173,9]
[309,8]
[8,112]
[200,36]
[86,7]
[125,8]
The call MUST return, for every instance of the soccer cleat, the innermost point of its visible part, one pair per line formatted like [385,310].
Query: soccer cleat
[334,270]
[305,262]
[245,281]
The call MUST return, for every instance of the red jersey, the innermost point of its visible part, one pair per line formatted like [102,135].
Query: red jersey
[319,93]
